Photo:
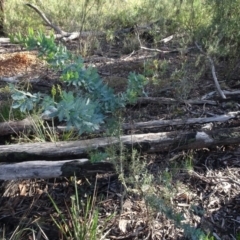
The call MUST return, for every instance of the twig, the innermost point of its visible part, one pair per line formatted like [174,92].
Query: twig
[158,50]
[221,93]
[130,55]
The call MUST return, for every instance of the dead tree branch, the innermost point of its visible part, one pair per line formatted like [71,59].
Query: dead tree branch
[221,93]
[60,34]
[46,20]
[178,122]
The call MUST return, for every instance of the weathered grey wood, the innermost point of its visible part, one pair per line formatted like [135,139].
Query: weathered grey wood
[52,169]
[167,101]
[176,122]
[4,40]
[151,142]
[12,127]
[231,95]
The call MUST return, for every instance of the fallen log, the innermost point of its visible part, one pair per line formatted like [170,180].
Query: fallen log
[231,95]
[14,127]
[4,40]
[151,142]
[168,101]
[52,169]
[177,122]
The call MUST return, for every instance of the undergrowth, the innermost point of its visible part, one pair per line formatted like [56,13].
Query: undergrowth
[88,104]
[213,24]
[82,220]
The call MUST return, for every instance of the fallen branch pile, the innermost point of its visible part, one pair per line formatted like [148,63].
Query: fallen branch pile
[151,142]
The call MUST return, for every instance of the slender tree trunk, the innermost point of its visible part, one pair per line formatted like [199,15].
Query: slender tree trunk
[1,17]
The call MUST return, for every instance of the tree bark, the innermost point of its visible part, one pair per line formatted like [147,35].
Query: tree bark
[2,33]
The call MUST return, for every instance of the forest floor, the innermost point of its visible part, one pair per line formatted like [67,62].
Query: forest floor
[201,185]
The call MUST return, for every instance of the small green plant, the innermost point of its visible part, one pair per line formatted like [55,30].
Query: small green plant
[188,162]
[157,71]
[25,101]
[140,176]
[56,55]
[238,236]
[184,80]
[21,232]
[167,178]
[151,68]
[41,131]
[135,87]
[83,219]
[130,44]
[98,156]
[8,113]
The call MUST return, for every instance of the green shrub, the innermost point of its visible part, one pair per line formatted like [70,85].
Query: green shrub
[90,102]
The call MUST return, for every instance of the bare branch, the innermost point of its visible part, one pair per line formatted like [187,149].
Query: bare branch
[46,20]
[221,93]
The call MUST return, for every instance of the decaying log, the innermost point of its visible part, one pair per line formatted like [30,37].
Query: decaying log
[4,40]
[177,122]
[151,142]
[12,127]
[52,169]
